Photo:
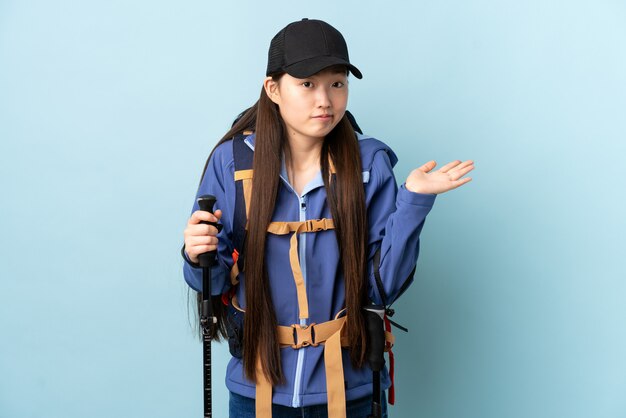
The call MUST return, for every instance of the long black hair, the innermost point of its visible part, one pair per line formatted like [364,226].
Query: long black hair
[346,199]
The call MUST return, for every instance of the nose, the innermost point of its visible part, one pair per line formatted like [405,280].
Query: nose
[323,97]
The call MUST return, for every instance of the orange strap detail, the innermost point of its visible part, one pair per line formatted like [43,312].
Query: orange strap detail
[263,403]
[234,272]
[312,225]
[243,174]
[235,302]
[332,335]
[303,302]
[389,340]
[331,166]
[328,333]
[335,389]
[283,228]
[297,336]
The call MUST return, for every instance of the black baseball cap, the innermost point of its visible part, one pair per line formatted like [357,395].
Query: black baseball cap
[306,47]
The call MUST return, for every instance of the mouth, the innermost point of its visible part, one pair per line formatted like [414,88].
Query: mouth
[325,116]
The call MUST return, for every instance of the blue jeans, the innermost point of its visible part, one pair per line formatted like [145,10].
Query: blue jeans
[243,407]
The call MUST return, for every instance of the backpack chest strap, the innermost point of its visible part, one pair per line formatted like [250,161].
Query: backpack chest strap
[294,228]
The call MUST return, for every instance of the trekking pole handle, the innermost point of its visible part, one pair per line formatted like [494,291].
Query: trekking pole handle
[206,203]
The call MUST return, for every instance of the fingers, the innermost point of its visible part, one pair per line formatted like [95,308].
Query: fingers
[201,229]
[195,228]
[193,251]
[464,165]
[453,165]
[457,169]
[463,181]
[201,215]
[461,170]
[199,237]
[428,166]
[197,240]
[449,166]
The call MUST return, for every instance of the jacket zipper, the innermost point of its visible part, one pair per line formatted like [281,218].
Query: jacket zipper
[295,402]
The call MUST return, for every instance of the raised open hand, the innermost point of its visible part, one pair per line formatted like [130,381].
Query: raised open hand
[448,177]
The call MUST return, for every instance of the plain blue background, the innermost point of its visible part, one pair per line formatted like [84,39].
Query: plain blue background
[109,109]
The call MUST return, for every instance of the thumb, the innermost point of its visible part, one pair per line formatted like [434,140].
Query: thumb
[218,214]
[428,166]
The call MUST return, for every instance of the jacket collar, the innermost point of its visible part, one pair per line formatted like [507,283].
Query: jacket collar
[316,182]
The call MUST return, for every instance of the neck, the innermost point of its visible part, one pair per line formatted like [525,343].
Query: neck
[304,153]
[302,161]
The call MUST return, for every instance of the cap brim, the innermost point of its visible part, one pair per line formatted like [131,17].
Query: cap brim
[306,68]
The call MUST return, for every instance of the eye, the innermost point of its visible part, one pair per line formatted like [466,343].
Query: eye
[307,84]
[338,84]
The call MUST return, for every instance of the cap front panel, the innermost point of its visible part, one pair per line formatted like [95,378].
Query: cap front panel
[309,42]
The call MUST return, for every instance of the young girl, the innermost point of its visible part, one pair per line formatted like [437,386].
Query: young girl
[323,217]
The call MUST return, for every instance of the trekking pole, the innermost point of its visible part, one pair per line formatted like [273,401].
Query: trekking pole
[207,320]
[374,325]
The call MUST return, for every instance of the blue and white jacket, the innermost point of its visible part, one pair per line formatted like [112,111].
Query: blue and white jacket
[395,219]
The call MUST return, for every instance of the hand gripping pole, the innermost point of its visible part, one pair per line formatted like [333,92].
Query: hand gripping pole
[207,320]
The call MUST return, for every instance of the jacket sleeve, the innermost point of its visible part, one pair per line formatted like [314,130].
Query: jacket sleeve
[217,181]
[396,217]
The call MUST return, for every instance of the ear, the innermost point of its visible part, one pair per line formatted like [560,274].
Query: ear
[271,89]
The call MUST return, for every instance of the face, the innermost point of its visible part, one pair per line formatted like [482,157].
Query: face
[311,107]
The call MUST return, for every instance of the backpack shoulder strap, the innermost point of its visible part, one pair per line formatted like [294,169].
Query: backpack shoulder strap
[243,157]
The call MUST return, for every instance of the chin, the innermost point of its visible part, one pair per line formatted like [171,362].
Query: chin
[327,130]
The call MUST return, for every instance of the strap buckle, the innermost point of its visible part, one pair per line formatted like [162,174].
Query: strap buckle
[303,336]
[316,225]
